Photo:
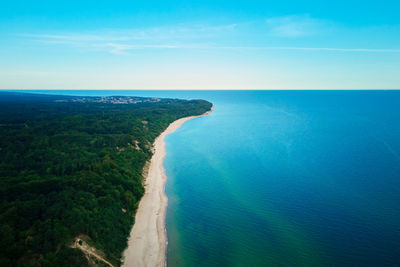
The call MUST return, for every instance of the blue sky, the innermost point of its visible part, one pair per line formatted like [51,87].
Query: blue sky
[200,44]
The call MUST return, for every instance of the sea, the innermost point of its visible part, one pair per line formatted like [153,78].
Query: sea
[283,178]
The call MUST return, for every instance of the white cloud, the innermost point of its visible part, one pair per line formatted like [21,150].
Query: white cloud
[154,34]
[124,41]
[122,49]
[120,41]
[337,49]
[294,26]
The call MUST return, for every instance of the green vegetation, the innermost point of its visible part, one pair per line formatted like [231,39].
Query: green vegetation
[71,169]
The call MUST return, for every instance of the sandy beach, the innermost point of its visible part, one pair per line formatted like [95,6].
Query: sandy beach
[148,239]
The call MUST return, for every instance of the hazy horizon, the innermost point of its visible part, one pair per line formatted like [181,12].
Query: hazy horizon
[183,89]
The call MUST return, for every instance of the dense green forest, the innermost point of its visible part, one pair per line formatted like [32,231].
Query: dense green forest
[70,169]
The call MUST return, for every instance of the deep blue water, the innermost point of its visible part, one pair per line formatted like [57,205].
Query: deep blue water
[289,178]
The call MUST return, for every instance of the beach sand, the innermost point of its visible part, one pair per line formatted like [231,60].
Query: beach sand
[147,243]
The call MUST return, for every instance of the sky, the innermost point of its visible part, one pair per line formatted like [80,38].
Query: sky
[207,44]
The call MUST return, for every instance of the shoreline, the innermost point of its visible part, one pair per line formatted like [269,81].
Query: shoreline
[147,243]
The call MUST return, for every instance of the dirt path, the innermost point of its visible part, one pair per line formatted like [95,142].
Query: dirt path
[90,251]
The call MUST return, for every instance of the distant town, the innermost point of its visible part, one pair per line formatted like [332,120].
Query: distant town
[112,100]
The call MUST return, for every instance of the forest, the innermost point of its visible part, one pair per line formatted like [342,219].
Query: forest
[74,169]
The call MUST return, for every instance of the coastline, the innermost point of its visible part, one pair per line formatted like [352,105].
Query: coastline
[147,243]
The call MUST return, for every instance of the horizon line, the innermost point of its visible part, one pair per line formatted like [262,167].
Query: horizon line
[211,89]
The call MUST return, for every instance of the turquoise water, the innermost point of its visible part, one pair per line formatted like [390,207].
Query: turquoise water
[284,178]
